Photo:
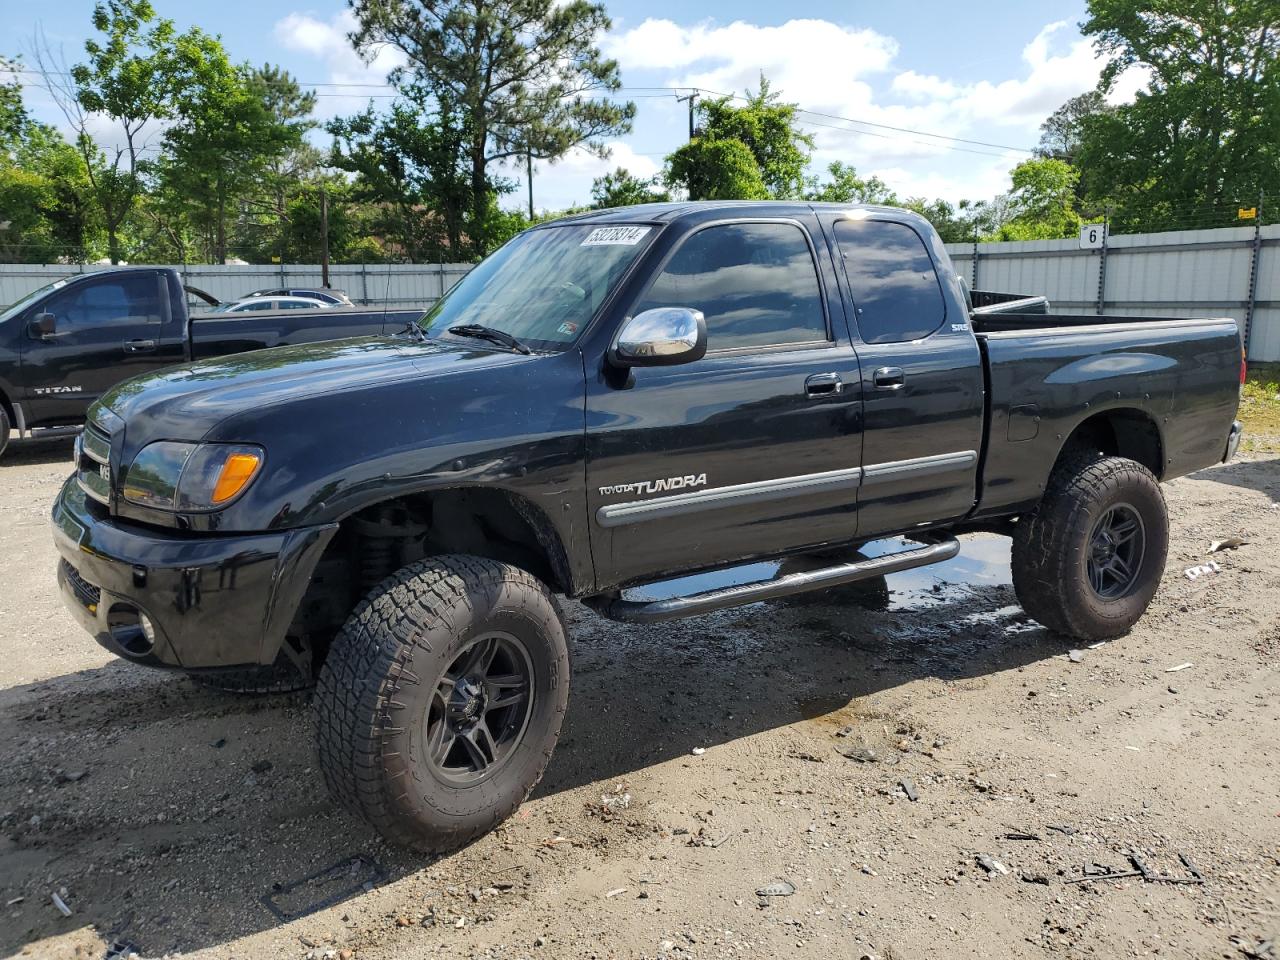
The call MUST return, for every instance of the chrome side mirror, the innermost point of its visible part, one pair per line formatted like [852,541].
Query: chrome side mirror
[661,337]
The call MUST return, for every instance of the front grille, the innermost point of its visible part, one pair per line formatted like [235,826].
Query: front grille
[93,463]
[85,592]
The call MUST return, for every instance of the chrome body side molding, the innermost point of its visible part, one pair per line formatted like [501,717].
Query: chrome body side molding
[635,511]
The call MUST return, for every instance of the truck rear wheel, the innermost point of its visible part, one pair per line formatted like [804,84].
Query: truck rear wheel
[1087,564]
[441,700]
[5,427]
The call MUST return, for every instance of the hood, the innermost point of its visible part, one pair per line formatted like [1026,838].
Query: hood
[186,402]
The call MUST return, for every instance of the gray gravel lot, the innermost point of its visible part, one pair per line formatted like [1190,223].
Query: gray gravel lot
[164,814]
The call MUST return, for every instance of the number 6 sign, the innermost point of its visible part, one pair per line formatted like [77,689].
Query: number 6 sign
[1092,235]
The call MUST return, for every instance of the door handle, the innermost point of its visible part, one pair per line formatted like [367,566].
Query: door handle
[139,346]
[822,384]
[889,378]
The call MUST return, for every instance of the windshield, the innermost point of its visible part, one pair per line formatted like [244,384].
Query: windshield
[34,295]
[544,286]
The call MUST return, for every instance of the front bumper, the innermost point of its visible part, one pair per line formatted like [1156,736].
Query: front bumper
[211,601]
[1233,441]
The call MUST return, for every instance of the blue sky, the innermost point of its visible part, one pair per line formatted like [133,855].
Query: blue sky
[987,72]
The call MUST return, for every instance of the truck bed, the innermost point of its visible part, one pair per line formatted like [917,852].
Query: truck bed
[1171,379]
[219,334]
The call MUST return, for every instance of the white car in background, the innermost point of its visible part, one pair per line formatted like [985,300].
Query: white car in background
[264,304]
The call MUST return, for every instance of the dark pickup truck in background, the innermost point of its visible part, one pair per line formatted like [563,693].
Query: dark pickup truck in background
[609,401]
[64,345]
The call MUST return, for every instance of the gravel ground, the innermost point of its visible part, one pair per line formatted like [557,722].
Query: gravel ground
[702,761]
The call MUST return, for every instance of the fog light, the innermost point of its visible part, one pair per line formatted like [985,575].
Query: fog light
[148,628]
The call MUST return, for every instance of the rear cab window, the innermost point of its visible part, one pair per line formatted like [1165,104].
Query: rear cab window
[892,280]
[756,284]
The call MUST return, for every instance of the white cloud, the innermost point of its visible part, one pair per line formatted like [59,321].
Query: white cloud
[730,58]
[840,71]
[326,40]
[568,181]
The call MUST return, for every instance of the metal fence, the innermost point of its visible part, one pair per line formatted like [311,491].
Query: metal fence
[1232,272]
[394,285]
[1228,272]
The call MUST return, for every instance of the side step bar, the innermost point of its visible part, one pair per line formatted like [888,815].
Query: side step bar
[615,607]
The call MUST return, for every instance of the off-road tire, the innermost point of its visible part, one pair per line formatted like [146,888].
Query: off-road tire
[5,427]
[375,691]
[279,677]
[1051,547]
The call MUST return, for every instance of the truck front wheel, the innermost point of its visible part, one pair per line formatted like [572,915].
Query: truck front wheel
[1088,562]
[441,699]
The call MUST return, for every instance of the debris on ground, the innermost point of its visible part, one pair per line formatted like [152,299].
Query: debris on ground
[909,789]
[615,892]
[779,888]
[1179,667]
[615,801]
[699,751]
[991,866]
[1075,656]
[1202,570]
[1019,835]
[1230,543]
[861,754]
[60,904]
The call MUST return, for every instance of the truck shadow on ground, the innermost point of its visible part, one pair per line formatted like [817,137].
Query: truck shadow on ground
[51,450]
[167,812]
[1260,475]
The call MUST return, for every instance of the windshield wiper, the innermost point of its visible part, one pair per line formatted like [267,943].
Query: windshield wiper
[481,332]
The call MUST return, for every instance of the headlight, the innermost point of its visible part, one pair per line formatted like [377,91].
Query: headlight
[191,477]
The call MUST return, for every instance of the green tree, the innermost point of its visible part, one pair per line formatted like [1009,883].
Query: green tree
[506,78]
[1203,135]
[955,224]
[414,172]
[761,133]
[13,112]
[44,194]
[623,189]
[129,77]
[290,108]
[845,186]
[227,135]
[1042,201]
[1062,132]
[710,169]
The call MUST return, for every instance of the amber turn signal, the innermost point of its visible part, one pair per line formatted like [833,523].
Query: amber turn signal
[237,471]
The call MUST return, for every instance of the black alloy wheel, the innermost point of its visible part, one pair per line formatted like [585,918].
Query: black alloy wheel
[480,709]
[1116,548]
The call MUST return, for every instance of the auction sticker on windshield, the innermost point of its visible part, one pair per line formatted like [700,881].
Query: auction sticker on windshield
[615,236]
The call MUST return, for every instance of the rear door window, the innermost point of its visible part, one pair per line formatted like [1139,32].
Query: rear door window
[892,280]
[756,283]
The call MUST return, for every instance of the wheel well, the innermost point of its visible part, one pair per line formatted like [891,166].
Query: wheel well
[1119,433]
[376,541]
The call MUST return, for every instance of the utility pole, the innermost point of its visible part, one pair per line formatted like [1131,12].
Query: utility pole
[324,238]
[528,175]
[692,99]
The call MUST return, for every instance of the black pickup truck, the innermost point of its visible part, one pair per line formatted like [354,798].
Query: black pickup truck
[64,345]
[608,401]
